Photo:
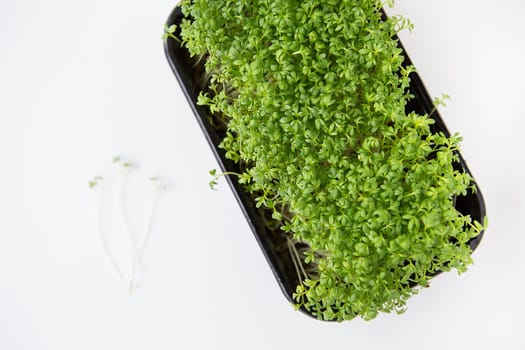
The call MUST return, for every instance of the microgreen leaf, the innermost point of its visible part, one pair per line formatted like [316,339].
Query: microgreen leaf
[95,181]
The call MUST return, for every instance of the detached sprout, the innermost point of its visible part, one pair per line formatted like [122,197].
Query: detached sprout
[94,185]
[123,170]
[138,245]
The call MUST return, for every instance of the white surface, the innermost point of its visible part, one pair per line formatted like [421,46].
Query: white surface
[83,81]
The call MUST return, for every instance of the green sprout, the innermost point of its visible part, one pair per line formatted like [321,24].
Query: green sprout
[216,176]
[169,32]
[439,101]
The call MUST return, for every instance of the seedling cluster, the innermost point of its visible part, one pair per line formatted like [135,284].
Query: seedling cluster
[314,93]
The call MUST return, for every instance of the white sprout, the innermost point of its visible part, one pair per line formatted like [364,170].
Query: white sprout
[94,184]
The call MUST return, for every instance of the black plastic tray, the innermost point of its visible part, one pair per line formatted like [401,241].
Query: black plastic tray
[274,246]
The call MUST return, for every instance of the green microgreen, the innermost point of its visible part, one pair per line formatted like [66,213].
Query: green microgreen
[243,178]
[169,32]
[439,101]
[313,95]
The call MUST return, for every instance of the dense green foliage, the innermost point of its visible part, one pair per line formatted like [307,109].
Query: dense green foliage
[314,93]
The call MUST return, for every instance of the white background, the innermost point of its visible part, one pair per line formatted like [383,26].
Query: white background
[82,81]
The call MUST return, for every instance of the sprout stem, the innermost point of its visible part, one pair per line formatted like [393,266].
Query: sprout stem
[296,259]
[137,260]
[101,233]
